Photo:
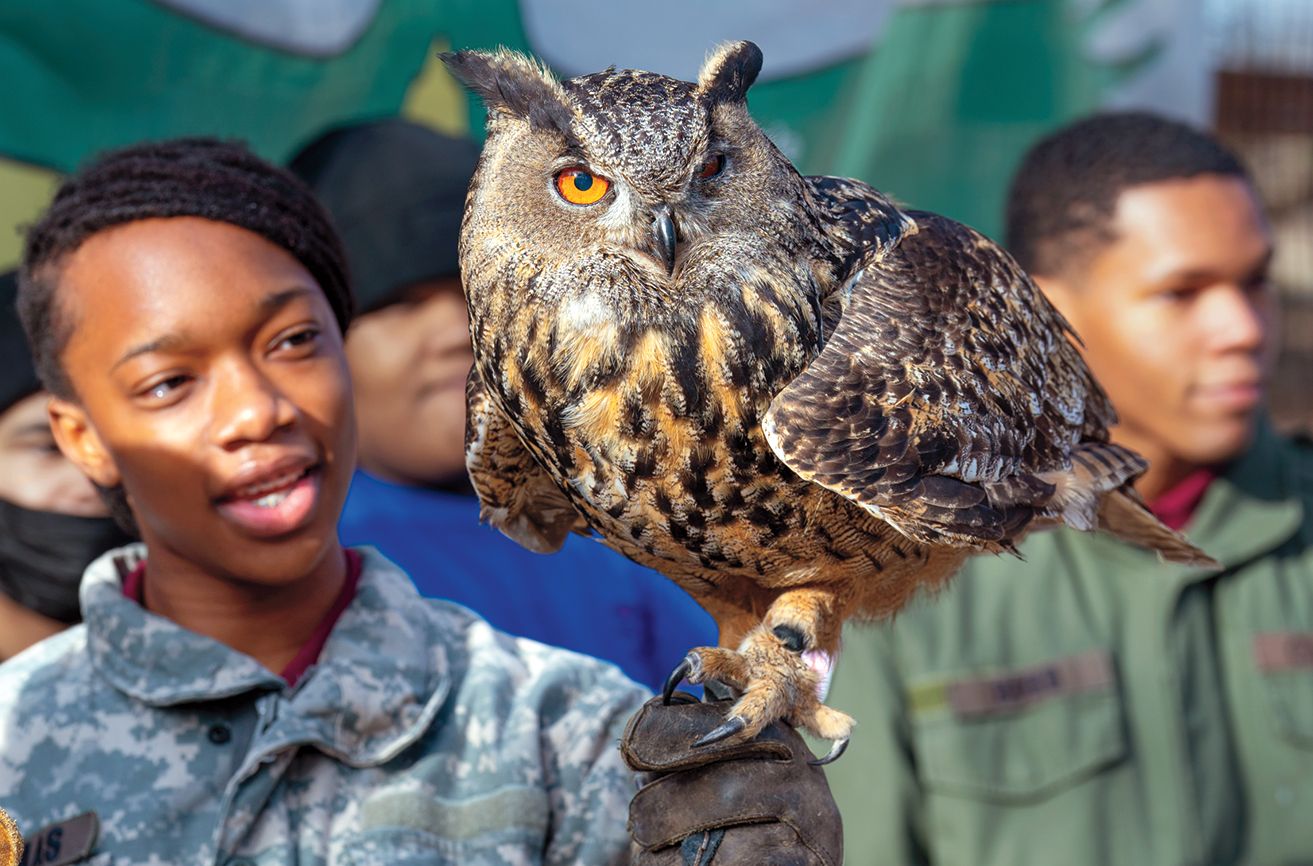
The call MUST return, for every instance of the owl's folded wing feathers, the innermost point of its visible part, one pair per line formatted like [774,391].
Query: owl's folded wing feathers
[516,495]
[947,389]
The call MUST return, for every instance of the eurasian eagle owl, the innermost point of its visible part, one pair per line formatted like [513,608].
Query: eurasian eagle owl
[794,399]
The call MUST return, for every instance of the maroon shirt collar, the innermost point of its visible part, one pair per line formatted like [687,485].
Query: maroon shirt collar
[1176,505]
[134,587]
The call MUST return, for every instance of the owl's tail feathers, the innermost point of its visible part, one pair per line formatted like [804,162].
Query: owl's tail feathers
[1096,493]
[1125,515]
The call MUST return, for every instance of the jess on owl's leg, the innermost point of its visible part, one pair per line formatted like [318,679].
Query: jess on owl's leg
[777,670]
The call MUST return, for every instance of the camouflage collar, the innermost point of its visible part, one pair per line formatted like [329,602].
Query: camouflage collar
[382,677]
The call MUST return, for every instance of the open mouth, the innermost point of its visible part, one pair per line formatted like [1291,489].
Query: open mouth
[275,505]
[271,493]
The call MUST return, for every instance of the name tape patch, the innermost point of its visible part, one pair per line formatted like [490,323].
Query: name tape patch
[1283,651]
[63,842]
[982,697]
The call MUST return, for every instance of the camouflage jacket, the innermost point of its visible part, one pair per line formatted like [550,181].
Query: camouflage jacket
[421,736]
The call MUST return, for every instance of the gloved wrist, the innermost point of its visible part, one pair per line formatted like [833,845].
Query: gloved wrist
[729,803]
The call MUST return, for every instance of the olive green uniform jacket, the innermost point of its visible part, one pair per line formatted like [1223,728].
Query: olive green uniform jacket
[1093,705]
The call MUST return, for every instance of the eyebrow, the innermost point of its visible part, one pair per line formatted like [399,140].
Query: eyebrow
[276,301]
[1260,266]
[269,304]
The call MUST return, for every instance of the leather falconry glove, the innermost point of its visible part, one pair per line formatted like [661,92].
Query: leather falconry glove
[729,803]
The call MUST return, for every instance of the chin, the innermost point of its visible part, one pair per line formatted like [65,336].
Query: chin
[1223,443]
[287,560]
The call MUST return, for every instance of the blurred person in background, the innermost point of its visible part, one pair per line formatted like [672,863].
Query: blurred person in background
[396,191]
[52,522]
[1088,703]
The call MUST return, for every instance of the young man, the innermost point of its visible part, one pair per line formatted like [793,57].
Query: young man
[396,192]
[1087,703]
[243,688]
[52,523]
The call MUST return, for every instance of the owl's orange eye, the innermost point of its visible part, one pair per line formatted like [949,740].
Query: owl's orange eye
[581,187]
[712,167]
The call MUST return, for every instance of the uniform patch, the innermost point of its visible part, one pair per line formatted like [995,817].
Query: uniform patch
[983,697]
[64,842]
[1283,651]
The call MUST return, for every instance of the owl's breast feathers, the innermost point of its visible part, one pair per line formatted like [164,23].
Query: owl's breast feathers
[650,423]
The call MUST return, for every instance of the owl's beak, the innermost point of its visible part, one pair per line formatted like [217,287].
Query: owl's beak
[663,230]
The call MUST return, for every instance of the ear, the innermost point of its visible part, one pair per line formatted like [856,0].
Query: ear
[730,71]
[80,443]
[514,84]
[1066,297]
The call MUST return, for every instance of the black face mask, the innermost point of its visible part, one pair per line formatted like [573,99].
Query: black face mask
[43,555]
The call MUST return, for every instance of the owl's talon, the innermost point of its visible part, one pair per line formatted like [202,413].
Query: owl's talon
[793,640]
[732,726]
[836,751]
[676,677]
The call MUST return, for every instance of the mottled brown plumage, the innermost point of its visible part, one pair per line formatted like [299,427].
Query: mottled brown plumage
[807,408]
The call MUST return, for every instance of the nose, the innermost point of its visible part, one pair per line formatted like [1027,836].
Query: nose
[247,406]
[445,324]
[1238,318]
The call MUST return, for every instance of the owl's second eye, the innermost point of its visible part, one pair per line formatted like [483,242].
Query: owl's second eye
[712,167]
[581,187]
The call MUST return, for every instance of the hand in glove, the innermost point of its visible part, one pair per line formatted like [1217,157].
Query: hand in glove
[727,804]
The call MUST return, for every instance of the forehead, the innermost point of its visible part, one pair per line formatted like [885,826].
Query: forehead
[178,275]
[638,120]
[1208,221]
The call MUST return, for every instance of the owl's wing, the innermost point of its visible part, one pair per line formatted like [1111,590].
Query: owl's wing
[947,388]
[516,495]
[862,220]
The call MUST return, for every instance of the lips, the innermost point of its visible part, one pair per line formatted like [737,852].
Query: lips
[272,499]
[1239,396]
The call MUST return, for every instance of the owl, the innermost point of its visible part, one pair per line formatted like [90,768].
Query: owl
[796,400]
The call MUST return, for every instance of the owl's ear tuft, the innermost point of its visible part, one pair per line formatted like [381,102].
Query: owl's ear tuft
[730,71]
[513,84]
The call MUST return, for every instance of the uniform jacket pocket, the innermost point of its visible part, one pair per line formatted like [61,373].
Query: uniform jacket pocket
[1285,660]
[1019,734]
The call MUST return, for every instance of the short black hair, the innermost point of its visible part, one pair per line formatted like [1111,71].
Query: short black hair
[198,177]
[1064,194]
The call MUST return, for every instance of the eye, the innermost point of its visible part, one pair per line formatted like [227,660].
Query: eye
[165,389]
[297,339]
[712,167]
[581,187]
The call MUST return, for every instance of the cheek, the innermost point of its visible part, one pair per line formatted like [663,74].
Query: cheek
[43,482]
[324,396]
[1136,352]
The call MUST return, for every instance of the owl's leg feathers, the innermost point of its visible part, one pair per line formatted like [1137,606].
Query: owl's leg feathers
[775,670]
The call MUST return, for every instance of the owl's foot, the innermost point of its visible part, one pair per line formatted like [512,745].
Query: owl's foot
[774,679]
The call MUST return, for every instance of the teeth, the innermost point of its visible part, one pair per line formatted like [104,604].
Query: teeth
[258,490]
[272,499]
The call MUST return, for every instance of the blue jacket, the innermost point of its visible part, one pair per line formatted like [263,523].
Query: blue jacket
[586,597]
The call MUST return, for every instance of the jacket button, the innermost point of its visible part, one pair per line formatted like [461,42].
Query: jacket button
[219,734]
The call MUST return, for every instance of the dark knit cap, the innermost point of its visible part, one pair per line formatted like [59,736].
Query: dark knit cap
[396,191]
[18,377]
